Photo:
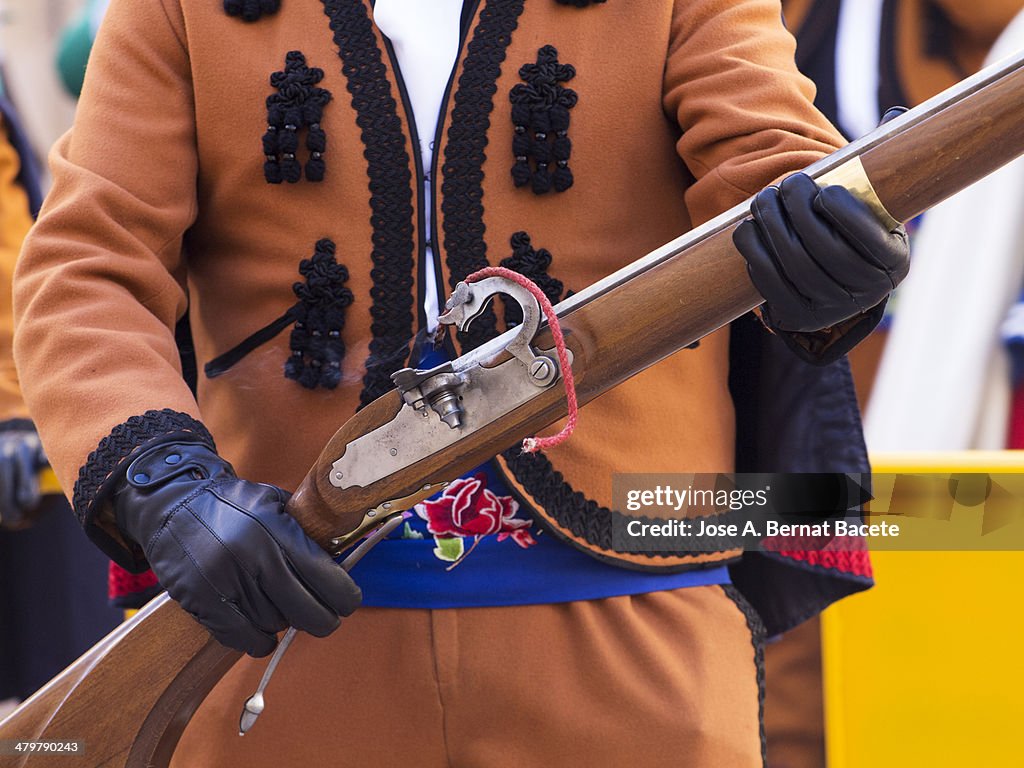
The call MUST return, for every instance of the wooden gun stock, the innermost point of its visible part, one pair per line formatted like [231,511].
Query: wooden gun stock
[131,696]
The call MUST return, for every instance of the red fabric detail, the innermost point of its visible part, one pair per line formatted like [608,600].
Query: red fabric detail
[1015,438]
[121,583]
[468,508]
[521,536]
[847,554]
[852,563]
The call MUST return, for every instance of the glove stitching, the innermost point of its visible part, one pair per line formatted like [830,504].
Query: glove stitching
[254,575]
[167,518]
[863,249]
[309,588]
[224,599]
[822,265]
[904,268]
[241,564]
[268,634]
[776,257]
[116,449]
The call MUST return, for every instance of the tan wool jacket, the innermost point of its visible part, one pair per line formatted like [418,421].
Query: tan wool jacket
[595,133]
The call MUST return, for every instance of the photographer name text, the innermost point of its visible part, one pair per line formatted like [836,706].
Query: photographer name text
[707,529]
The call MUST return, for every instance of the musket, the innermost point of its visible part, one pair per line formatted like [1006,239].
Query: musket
[149,675]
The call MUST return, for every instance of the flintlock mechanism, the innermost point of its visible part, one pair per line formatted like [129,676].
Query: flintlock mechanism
[439,386]
[466,395]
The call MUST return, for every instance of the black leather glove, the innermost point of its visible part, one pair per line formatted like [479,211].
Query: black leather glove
[21,458]
[226,550]
[819,256]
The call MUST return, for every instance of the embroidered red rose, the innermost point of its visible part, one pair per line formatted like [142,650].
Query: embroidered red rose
[522,536]
[468,508]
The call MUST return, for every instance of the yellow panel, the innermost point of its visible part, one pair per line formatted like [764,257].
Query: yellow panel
[948,461]
[48,482]
[927,669]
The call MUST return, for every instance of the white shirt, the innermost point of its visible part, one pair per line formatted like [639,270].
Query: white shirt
[425,37]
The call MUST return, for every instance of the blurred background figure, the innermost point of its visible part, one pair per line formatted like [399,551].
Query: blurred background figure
[21,454]
[52,583]
[75,44]
[955,381]
[30,31]
[866,56]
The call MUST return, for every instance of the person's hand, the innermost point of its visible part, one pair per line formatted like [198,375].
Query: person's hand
[21,458]
[819,256]
[226,550]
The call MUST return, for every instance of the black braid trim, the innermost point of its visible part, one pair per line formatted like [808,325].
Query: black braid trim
[319,316]
[580,3]
[465,153]
[254,10]
[316,344]
[533,264]
[123,439]
[298,104]
[540,116]
[391,194]
[584,517]
[224,363]
[757,635]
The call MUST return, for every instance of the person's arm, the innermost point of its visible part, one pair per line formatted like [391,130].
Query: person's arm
[747,119]
[99,285]
[98,291]
[745,111]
